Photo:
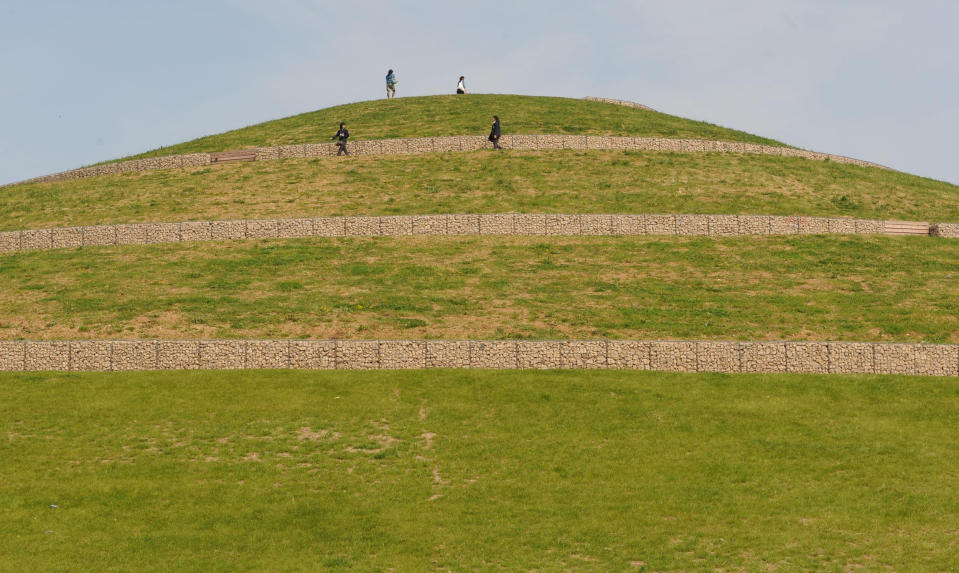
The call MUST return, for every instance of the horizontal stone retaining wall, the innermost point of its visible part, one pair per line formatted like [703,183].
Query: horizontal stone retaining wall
[516,224]
[453,144]
[670,356]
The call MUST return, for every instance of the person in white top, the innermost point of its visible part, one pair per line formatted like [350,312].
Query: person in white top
[461,86]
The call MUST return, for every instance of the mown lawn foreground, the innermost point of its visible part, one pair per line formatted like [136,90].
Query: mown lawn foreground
[603,471]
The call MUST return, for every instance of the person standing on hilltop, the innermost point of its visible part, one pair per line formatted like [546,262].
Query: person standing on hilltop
[390,84]
[342,135]
[461,86]
[495,132]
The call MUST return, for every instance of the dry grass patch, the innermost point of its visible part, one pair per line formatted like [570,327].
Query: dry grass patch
[482,182]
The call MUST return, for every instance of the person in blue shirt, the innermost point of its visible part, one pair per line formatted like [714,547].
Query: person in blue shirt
[342,135]
[390,84]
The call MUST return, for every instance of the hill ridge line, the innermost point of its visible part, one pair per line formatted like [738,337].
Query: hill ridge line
[458,143]
[501,224]
[765,357]
[622,102]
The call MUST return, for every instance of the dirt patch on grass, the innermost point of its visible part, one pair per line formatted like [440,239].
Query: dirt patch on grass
[428,438]
[307,433]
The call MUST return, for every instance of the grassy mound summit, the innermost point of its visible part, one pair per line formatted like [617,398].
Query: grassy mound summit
[433,116]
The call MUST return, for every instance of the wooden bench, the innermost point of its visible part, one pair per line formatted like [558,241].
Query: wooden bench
[228,156]
[907,228]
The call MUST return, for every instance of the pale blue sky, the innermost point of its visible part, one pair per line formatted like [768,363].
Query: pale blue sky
[89,80]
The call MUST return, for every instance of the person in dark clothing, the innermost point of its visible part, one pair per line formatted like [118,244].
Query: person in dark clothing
[342,135]
[495,133]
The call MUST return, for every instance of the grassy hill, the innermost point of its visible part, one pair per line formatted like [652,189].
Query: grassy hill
[476,470]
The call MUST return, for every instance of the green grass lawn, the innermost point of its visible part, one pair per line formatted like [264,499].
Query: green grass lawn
[481,182]
[798,288]
[442,470]
[433,116]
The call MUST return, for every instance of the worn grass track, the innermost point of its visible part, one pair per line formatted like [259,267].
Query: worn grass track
[603,471]
[753,288]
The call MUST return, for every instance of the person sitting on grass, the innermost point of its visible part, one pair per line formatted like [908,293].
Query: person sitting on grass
[342,135]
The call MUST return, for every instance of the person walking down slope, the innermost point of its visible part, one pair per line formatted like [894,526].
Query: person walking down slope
[342,135]
[461,85]
[390,84]
[495,132]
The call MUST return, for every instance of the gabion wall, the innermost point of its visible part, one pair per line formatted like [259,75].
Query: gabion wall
[670,356]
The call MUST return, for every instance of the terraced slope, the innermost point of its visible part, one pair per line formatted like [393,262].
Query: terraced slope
[479,469]
[558,181]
